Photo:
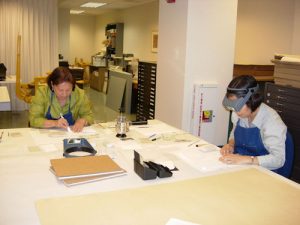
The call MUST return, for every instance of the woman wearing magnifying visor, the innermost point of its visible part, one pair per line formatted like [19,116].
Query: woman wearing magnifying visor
[258,135]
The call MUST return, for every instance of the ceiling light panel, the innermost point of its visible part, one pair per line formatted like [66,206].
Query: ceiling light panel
[76,11]
[93,4]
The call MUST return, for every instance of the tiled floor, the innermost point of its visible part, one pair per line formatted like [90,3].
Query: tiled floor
[101,112]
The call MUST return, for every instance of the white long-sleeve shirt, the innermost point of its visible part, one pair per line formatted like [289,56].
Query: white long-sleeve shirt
[273,134]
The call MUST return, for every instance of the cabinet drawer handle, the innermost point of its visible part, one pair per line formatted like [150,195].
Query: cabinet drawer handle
[279,104]
[279,97]
[279,111]
[281,90]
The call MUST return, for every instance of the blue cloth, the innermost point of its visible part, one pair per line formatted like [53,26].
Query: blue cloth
[68,116]
[247,141]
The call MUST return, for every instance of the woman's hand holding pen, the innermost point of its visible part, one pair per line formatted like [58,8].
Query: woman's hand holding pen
[62,123]
[228,157]
[226,149]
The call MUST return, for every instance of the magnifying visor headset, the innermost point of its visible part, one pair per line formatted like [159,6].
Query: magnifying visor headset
[237,104]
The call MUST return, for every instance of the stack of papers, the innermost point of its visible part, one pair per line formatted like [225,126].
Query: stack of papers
[78,170]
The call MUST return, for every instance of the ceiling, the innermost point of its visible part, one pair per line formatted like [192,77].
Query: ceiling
[111,5]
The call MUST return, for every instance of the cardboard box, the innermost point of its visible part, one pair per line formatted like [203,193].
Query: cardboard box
[287,73]
[98,61]
[97,77]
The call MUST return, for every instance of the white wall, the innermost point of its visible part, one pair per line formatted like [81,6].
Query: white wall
[82,30]
[265,27]
[196,45]
[296,33]
[64,33]
[139,22]
[171,62]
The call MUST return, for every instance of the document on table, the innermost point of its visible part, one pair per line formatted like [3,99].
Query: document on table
[204,158]
[54,136]
[155,129]
[127,144]
[48,148]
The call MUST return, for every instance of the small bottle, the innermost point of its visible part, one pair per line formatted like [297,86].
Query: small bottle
[121,125]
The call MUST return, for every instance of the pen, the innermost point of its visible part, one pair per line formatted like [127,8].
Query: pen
[154,139]
[199,145]
[68,128]
[193,143]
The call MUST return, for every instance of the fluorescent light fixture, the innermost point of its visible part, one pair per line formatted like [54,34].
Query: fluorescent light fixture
[76,11]
[93,4]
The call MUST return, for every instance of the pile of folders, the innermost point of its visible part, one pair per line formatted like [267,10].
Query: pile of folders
[78,170]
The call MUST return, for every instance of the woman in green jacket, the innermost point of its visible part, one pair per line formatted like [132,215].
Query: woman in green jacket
[60,104]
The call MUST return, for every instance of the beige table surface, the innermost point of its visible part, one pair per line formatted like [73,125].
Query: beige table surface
[247,196]
[25,155]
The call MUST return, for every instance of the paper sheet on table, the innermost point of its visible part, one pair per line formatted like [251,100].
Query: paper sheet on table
[154,129]
[203,159]
[48,148]
[107,125]
[87,130]
[127,144]
[174,221]
[54,136]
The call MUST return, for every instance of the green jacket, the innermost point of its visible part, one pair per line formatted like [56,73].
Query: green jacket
[80,106]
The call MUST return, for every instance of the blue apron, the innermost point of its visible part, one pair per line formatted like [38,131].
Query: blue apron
[68,116]
[247,141]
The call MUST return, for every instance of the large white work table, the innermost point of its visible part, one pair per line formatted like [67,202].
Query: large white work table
[10,83]
[4,99]
[202,191]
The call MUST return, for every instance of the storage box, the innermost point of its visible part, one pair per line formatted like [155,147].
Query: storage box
[287,73]
[98,61]
[97,77]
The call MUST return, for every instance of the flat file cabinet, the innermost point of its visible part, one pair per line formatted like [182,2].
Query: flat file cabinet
[146,91]
[286,101]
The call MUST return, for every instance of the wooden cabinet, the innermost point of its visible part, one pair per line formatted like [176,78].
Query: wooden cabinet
[77,73]
[260,72]
[146,91]
[286,101]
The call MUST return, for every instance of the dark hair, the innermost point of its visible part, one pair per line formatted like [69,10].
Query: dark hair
[60,75]
[245,82]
